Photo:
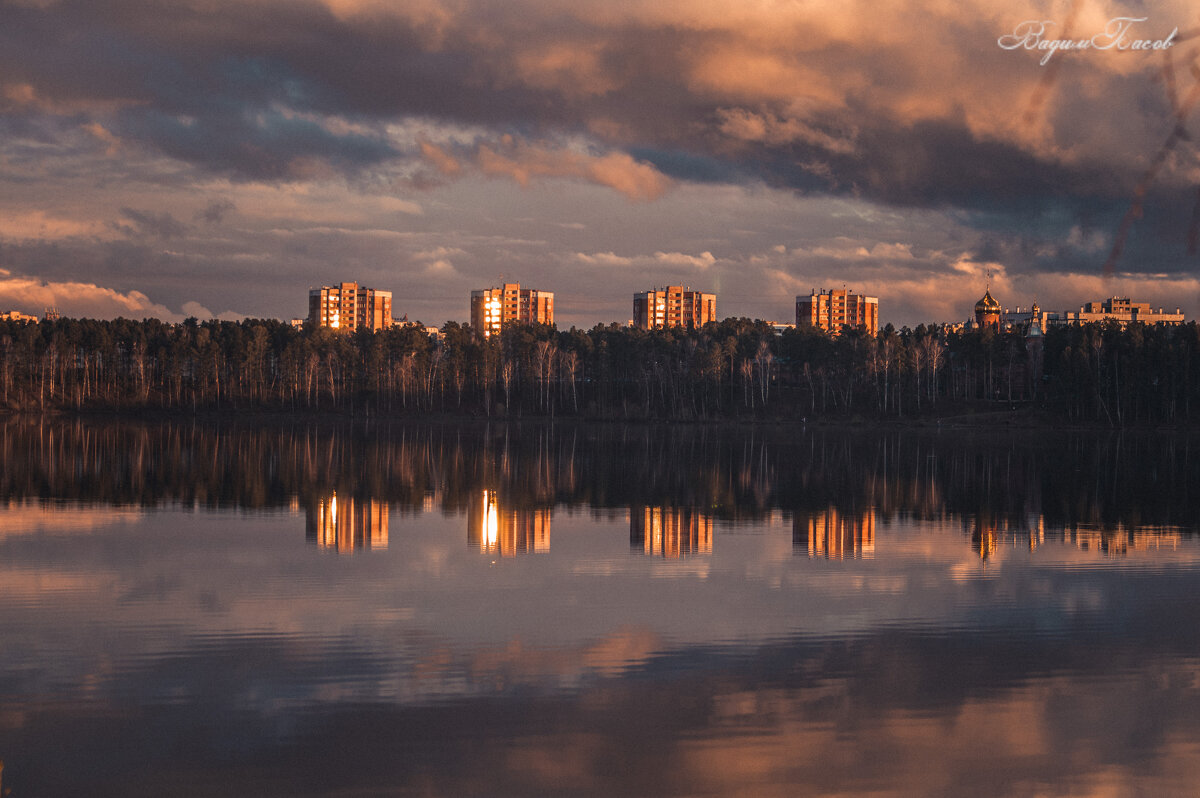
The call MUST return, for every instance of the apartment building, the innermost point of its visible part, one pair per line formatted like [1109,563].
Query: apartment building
[673,306]
[832,310]
[350,306]
[494,308]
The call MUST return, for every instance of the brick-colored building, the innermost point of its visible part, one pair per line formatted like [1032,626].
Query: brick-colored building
[350,306]
[673,306]
[493,308]
[832,310]
[1125,311]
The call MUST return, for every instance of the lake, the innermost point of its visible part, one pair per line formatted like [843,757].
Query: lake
[453,609]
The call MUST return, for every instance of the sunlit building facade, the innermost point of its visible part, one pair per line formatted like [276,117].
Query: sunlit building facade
[492,309]
[494,529]
[832,310]
[350,306]
[346,523]
[834,534]
[673,306]
[1124,311]
[670,532]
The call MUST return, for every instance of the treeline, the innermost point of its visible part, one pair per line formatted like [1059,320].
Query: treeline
[734,368]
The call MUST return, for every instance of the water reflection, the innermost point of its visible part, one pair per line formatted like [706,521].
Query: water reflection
[347,524]
[1137,481]
[989,537]
[495,529]
[811,614]
[1106,493]
[835,535]
[670,532]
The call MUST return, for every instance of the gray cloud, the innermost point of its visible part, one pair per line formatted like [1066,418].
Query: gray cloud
[157,225]
[229,89]
[922,115]
[215,211]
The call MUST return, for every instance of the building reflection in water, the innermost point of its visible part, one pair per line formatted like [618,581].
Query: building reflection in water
[346,523]
[1119,540]
[670,532]
[988,535]
[834,534]
[498,530]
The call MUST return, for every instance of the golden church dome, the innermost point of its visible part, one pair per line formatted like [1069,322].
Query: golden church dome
[987,304]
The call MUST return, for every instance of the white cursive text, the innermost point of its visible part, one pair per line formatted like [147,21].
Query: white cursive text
[1117,35]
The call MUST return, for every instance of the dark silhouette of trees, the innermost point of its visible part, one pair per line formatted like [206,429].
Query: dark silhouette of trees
[736,368]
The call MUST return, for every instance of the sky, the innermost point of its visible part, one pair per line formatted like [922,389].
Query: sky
[213,158]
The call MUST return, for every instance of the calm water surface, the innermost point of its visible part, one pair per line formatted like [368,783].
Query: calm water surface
[520,610]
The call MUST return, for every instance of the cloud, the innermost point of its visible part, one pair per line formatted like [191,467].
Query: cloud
[746,125]
[521,162]
[113,144]
[867,82]
[604,259]
[157,225]
[78,299]
[215,211]
[316,121]
[43,226]
[197,310]
[446,163]
[673,260]
[438,253]
[908,104]
[702,261]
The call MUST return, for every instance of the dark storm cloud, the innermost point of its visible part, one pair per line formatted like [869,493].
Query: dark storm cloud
[1077,235]
[313,113]
[266,145]
[240,89]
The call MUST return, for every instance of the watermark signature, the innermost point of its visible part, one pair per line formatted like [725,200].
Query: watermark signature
[1118,34]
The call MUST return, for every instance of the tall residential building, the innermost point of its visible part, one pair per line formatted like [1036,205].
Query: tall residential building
[832,310]
[493,308]
[350,306]
[673,306]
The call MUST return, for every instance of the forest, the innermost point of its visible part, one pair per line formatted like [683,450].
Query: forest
[734,369]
